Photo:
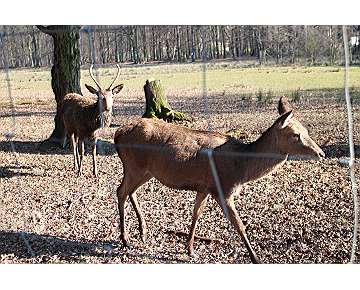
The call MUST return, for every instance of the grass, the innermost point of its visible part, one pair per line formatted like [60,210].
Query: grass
[235,78]
[295,95]
[262,97]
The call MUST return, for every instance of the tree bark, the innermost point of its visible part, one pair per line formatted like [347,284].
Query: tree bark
[65,73]
[157,105]
[223,41]
[178,51]
[193,50]
[145,46]
[153,43]
[217,44]
[135,45]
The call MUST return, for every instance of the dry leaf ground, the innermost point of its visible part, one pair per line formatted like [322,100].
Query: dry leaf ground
[302,213]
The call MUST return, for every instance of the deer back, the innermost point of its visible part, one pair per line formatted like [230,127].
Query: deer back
[171,153]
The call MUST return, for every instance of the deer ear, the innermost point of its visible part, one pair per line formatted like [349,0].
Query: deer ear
[284,106]
[117,89]
[91,89]
[284,120]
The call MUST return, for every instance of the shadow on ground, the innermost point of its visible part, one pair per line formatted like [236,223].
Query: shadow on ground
[27,114]
[339,150]
[47,148]
[25,245]
[11,171]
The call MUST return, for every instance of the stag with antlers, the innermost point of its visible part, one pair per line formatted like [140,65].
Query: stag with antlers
[83,117]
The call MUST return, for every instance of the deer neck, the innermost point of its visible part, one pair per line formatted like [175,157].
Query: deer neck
[267,143]
[102,116]
[264,156]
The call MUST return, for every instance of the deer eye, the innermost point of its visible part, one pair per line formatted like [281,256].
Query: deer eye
[297,137]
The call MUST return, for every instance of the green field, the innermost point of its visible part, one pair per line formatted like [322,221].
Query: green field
[233,78]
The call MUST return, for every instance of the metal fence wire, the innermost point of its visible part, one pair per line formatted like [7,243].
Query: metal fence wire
[351,146]
[11,134]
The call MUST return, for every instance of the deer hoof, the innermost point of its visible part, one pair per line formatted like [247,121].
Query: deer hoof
[125,243]
[191,253]
[255,260]
[143,237]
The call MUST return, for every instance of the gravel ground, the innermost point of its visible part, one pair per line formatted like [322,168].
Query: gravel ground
[302,213]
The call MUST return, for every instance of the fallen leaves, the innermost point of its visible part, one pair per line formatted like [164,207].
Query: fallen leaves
[302,213]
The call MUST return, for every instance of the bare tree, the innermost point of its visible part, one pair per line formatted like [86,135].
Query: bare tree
[65,73]
[27,47]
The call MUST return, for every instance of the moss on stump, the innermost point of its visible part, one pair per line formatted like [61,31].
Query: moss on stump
[157,105]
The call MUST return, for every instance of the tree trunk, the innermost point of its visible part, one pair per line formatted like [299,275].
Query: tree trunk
[178,52]
[117,58]
[188,42]
[145,50]
[238,43]
[136,45]
[107,47]
[193,49]
[153,43]
[232,43]
[223,41]
[159,51]
[217,44]
[157,105]
[65,73]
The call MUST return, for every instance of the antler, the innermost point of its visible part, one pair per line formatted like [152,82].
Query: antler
[118,73]
[92,76]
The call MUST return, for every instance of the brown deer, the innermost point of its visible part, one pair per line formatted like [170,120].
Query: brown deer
[83,117]
[179,158]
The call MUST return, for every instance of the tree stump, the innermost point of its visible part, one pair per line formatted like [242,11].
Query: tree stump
[157,105]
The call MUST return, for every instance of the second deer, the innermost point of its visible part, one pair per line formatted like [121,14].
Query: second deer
[178,157]
[83,117]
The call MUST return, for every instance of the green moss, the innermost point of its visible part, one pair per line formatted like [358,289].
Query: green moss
[157,105]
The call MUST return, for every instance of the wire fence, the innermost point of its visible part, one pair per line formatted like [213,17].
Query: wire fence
[351,146]
[9,136]
[208,153]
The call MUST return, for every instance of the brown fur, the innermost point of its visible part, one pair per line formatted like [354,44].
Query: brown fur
[284,106]
[83,117]
[177,157]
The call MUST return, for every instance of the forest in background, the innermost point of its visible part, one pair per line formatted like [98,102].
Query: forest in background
[27,46]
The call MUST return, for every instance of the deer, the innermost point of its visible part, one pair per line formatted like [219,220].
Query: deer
[82,118]
[182,158]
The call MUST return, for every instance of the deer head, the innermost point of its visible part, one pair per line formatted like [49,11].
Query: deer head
[291,136]
[105,97]
[284,106]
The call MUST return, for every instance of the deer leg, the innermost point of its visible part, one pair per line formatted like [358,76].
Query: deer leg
[127,187]
[140,217]
[77,150]
[74,148]
[81,153]
[94,158]
[234,218]
[200,203]
[64,141]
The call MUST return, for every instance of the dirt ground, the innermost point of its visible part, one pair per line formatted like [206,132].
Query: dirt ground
[301,213]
